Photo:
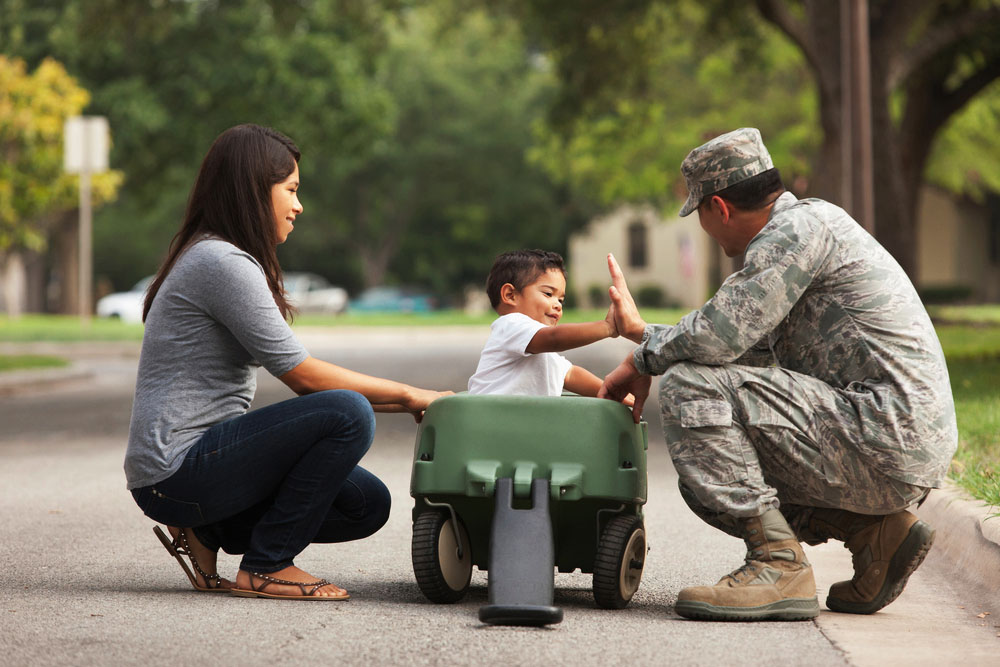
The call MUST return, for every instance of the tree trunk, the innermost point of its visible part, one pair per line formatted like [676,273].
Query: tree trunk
[14,283]
[896,181]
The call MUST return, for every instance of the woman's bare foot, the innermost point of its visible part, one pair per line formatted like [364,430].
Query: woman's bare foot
[206,559]
[247,581]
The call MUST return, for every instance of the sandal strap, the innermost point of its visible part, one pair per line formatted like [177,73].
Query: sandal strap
[212,580]
[268,580]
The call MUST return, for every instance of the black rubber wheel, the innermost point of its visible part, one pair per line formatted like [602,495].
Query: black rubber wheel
[443,575]
[621,555]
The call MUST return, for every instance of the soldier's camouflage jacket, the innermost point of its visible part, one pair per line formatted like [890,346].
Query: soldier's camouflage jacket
[818,295]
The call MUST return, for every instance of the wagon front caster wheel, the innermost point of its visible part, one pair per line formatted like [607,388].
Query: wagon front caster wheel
[621,555]
[441,564]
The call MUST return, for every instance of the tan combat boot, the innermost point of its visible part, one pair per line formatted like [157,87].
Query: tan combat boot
[775,584]
[885,550]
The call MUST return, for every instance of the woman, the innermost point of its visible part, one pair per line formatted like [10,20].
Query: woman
[264,483]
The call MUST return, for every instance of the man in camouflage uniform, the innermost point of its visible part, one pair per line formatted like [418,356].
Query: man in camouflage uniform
[807,400]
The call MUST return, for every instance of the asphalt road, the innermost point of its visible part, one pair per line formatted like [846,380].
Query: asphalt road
[85,582]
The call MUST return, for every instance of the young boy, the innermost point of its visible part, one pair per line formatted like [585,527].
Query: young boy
[526,289]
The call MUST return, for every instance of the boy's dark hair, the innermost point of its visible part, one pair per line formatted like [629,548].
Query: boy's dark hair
[752,193]
[520,268]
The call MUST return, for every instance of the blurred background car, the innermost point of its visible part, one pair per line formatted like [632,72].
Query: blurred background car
[125,306]
[393,299]
[312,293]
[308,292]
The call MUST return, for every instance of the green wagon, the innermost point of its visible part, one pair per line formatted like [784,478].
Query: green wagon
[585,456]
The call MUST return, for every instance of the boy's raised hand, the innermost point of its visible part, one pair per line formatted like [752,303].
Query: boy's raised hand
[628,322]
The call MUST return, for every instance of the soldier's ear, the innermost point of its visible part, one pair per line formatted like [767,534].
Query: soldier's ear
[725,210]
[508,294]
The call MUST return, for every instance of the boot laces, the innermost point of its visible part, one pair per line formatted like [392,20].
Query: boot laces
[748,568]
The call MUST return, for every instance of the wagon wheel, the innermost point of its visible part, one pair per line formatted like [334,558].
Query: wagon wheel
[442,574]
[621,554]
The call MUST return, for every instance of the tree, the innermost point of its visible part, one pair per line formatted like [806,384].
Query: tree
[929,58]
[413,118]
[34,189]
[172,76]
[625,138]
[449,187]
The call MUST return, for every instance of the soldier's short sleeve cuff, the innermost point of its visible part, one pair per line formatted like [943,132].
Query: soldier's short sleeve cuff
[648,358]
[639,355]
[639,360]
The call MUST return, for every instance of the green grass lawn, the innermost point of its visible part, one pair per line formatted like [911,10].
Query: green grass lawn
[18,362]
[459,318]
[985,314]
[976,387]
[65,329]
[970,336]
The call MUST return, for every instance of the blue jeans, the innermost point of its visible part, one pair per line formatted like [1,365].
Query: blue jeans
[276,479]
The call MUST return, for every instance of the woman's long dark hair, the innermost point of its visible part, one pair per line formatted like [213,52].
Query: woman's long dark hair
[231,199]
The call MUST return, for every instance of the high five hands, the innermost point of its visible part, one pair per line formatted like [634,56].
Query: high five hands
[625,379]
[628,322]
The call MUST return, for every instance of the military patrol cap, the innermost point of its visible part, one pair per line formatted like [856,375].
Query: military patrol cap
[721,162]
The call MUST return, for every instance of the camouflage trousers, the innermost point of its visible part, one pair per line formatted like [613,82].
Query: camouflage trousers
[745,439]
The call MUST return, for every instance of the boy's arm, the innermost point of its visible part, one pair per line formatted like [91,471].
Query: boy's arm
[581,381]
[568,336]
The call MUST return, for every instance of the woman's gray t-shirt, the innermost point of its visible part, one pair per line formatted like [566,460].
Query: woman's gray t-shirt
[212,324]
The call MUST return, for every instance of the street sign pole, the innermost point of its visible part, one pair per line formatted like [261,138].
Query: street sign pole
[85,264]
[85,152]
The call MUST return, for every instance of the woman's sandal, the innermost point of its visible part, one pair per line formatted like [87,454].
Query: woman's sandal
[308,589]
[179,547]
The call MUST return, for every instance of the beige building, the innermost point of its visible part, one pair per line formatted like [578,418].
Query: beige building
[674,255]
[958,245]
[959,250]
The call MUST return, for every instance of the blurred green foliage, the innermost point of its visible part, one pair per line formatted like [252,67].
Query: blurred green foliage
[644,81]
[33,186]
[413,119]
[437,133]
[626,139]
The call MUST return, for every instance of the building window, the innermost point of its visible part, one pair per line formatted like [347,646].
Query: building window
[637,245]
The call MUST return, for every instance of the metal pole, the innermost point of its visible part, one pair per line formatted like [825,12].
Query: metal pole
[846,105]
[856,186]
[86,252]
[863,197]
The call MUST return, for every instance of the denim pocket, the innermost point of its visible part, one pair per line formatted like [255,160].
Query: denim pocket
[163,508]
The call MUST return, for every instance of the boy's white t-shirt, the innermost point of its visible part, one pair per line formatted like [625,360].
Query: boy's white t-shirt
[506,368]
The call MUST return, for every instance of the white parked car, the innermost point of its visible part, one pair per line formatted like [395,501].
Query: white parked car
[311,293]
[308,292]
[126,306]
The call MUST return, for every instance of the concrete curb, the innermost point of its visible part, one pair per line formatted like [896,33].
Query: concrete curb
[968,536]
